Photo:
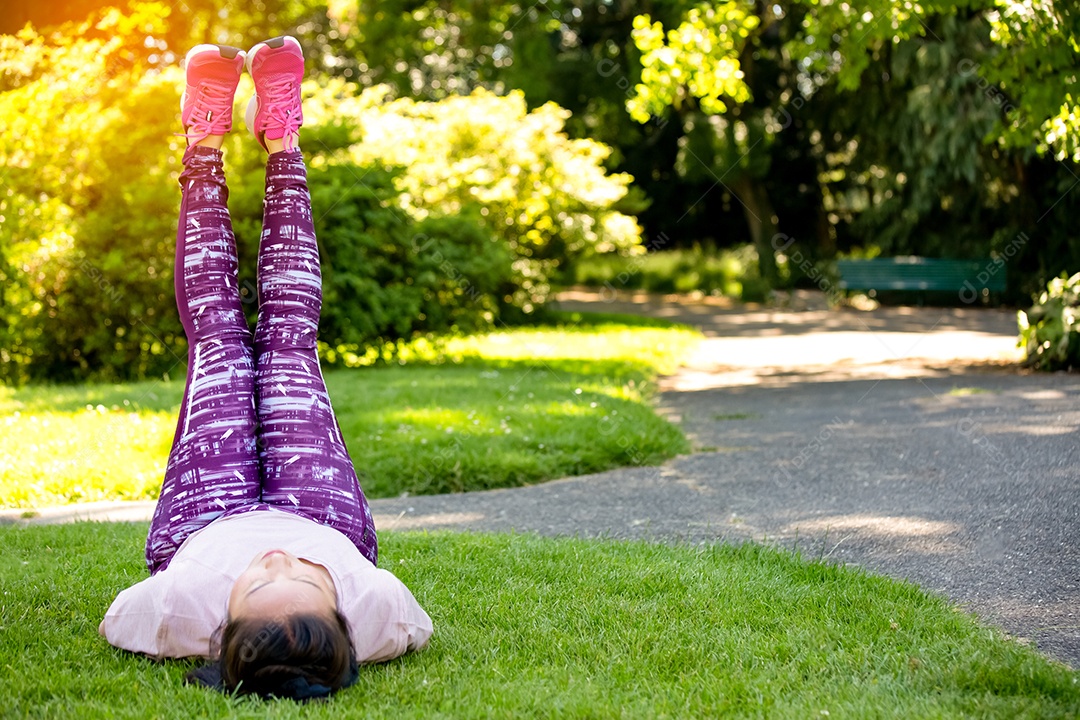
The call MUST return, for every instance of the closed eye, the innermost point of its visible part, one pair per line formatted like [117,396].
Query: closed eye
[303,580]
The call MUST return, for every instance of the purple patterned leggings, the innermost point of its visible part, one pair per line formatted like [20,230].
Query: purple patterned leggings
[256,427]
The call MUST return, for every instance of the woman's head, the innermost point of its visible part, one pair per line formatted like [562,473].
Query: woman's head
[284,635]
[298,656]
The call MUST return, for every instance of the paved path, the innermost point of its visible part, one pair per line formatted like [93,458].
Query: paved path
[897,439]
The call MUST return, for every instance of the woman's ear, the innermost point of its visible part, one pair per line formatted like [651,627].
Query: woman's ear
[214,649]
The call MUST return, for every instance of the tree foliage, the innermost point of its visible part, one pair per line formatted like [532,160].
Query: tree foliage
[698,60]
[1039,66]
[896,101]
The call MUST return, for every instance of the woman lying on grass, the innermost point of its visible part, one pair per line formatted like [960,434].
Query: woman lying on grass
[262,549]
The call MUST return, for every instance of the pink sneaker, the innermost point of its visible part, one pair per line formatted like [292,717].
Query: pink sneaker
[277,67]
[206,107]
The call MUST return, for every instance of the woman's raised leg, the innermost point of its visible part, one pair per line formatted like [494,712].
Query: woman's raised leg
[305,465]
[213,466]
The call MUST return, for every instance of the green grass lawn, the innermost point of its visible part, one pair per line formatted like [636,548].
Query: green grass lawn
[502,409]
[531,627]
[731,271]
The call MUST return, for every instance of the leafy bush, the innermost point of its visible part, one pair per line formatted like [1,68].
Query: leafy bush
[1049,330]
[88,204]
[386,276]
[546,196]
[388,281]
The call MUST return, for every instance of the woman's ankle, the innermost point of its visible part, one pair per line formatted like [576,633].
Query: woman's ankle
[275,146]
[212,141]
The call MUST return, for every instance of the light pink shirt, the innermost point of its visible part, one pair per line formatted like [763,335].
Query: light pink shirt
[174,613]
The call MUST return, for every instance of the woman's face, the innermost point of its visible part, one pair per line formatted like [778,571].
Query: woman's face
[277,583]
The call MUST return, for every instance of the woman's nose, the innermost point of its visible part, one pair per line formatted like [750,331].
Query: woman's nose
[277,561]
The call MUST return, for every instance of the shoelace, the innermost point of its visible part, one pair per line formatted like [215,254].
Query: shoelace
[283,111]
[212,114]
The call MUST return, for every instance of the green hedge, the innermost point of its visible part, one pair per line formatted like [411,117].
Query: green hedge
[731,272]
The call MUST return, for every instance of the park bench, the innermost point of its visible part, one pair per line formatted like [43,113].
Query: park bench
[971,280]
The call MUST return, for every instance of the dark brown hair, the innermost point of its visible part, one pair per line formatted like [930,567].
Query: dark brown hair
[297,656]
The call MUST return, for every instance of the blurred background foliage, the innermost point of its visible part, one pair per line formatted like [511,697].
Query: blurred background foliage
[468,156]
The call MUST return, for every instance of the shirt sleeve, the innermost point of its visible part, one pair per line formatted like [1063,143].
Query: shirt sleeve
[160,618]
[134,620]
[417,623]
[385,620]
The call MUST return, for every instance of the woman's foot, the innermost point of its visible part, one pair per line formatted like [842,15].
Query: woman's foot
[206,107]
[274,114]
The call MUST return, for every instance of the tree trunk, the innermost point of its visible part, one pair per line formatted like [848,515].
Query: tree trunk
[762,222]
